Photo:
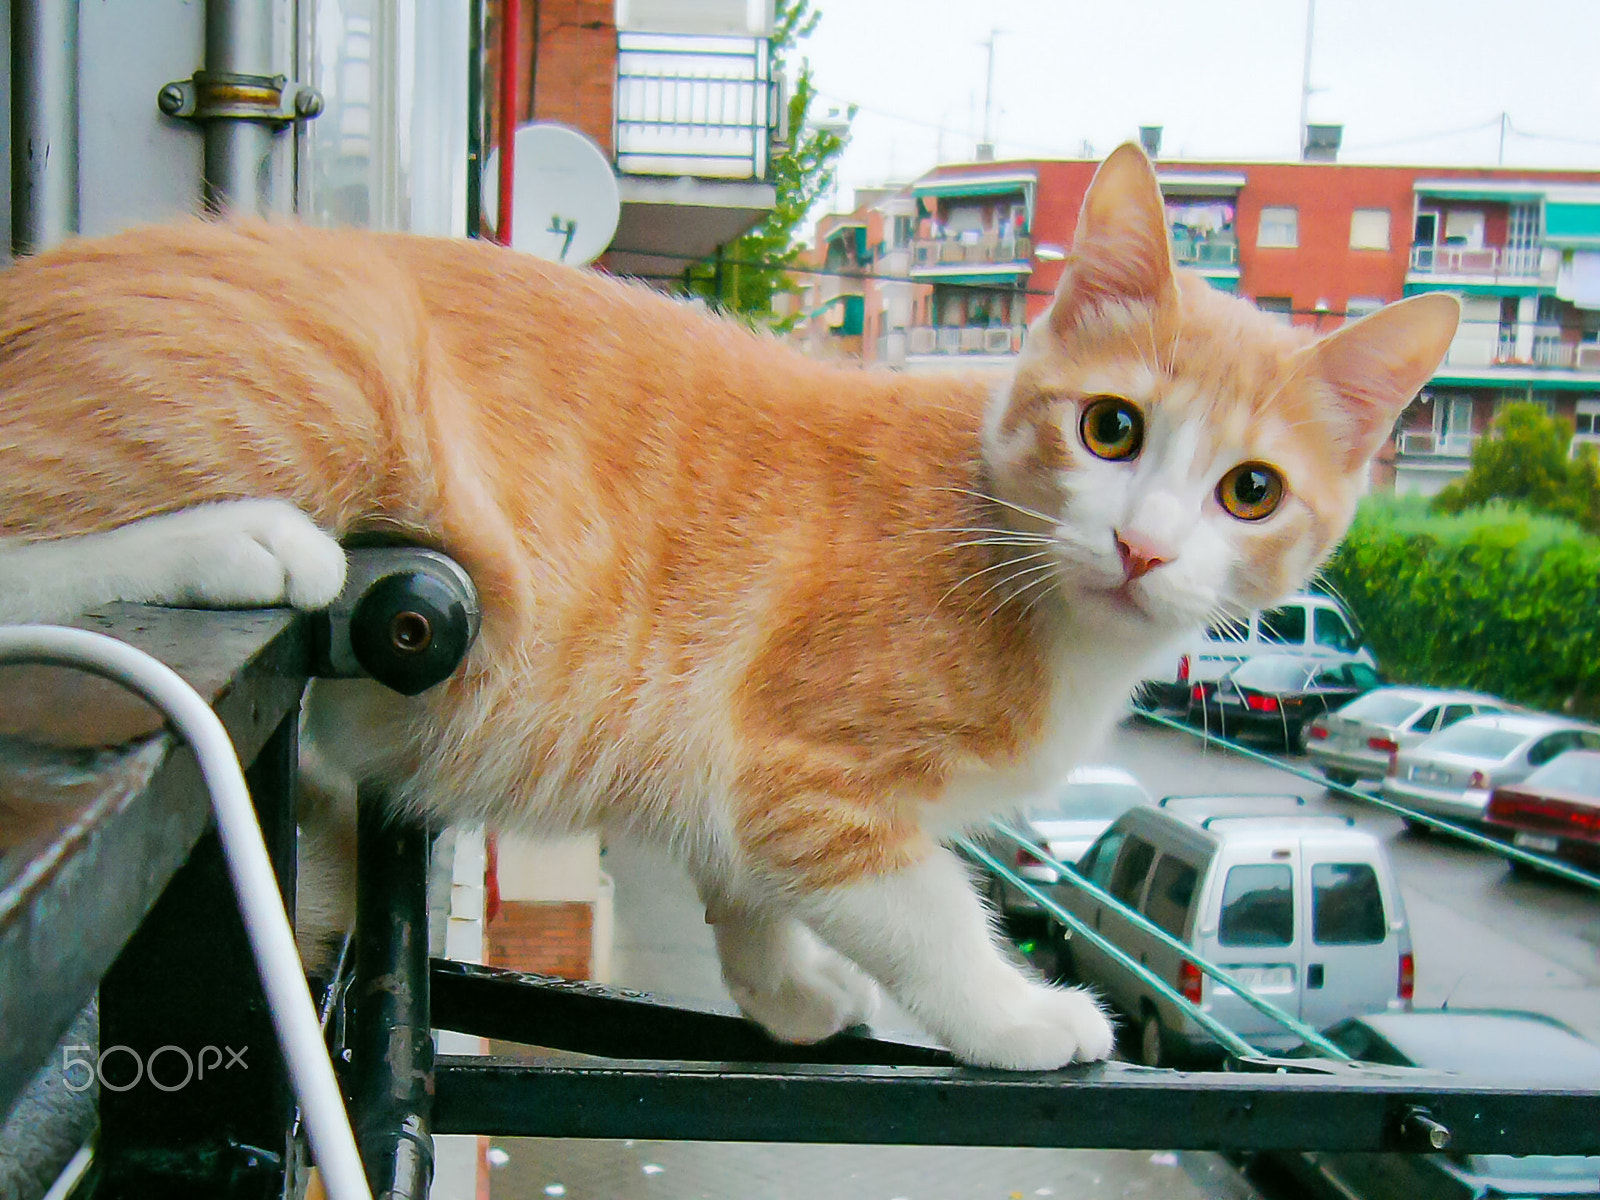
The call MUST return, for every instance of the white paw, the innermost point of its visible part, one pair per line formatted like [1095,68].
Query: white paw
[1038,1028]
[242,554]
[809,1000]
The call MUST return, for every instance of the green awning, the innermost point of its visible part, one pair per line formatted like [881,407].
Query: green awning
[1539,381]
[1224,283]
[1510,191]
[1570,223]
[965,275]
[1419,287]
[976,185]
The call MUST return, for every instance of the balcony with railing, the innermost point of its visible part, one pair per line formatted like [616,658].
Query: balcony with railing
[931,345]
[1213,251]
[698,105]
[1488,349]
[960,255]
[1533,264]
[1425,443]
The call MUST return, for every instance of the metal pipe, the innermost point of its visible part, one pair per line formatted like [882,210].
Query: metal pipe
[44,123]
[510,53]
[391,1048]
[238,153]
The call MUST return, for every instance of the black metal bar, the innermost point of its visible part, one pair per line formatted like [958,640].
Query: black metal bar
[1110,1105]
[591,1018]
[390,1080]
[194,1098]
[120,804]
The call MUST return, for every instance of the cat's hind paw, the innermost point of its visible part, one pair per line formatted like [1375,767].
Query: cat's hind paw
[1038,1029]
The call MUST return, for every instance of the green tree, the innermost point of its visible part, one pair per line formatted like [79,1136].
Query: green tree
[750,271]
[1524,461]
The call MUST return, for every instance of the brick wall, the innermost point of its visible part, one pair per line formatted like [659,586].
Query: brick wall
[545,937]
[570,68]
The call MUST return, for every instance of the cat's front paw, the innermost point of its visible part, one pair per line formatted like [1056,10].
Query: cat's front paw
[243,554]
[1039,1028]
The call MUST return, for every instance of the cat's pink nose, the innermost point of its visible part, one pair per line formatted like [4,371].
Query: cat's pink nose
[1140,555]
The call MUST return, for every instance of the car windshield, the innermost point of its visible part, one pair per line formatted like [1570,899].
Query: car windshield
[1381,708]
[1569,773]
[1272,674]
[1088,802]
[1476,741]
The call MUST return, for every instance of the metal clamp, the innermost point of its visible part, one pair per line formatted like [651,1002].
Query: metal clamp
[227,96]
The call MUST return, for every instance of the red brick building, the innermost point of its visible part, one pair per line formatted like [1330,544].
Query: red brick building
[956,264]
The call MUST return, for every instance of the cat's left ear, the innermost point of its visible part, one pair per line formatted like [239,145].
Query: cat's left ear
[1121,252]
[1377,365]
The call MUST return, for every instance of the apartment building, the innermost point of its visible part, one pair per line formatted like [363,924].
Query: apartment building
[960,261]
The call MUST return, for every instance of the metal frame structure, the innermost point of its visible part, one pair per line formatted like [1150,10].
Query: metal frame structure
[127,894]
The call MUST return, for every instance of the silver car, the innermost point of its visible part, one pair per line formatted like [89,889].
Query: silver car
[1066,823]
[1452,773]
[1356,741]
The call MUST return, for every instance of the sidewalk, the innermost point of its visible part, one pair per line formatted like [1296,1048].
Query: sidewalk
[664,946]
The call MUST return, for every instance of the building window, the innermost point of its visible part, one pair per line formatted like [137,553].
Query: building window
[1279,227]
[1359,306]
[1279,306]
[1587,419]
[1464,227]
[1369,229]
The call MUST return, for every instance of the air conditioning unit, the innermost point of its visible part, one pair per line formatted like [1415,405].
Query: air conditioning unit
[923,340]
[997,341]
[1589,356]
[927,254]
[972,340]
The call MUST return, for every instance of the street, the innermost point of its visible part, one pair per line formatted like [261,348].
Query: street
[1482,938]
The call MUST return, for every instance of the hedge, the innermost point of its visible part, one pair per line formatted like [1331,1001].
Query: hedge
[1496,600]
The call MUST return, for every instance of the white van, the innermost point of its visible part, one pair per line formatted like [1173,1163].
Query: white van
[1306,623]
[1302,908]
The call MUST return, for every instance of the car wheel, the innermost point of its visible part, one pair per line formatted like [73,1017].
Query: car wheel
[1416,828]
[1339,778]
[1523,870]
[1152,1040]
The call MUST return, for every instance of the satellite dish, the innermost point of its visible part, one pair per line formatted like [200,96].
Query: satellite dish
[564,204]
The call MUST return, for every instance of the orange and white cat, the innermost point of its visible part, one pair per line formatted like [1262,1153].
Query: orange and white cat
[797,621]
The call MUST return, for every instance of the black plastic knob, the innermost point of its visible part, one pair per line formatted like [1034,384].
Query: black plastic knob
[410,630]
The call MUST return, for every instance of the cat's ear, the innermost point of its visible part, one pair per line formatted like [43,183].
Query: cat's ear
[1377,365]
[1121,253]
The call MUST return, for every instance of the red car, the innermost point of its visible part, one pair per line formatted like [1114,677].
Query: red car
[1555,810]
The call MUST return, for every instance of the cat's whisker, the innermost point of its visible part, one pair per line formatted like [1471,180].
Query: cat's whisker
[1055,586]
[1023,509]
[1050,581]
[1010,579]
[999,566]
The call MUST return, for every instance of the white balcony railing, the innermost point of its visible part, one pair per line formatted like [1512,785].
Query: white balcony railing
[1523,262]
[983,250]
[1424,443]
[964,339]
[696,105]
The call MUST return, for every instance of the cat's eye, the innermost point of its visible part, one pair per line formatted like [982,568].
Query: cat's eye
[1111,428]
[1251,491]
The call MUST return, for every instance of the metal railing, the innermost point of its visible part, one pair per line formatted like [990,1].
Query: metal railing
[988,249]
[1519,262]
[1205,251]
[1424,442]
[964,339]
[706,106]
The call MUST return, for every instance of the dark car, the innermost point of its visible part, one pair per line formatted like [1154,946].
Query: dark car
[1277,694]
[1496,1047]
[1556,810]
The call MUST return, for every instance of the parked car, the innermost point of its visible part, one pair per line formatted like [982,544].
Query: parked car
[1302,908]
[1306,623]
[1276,694]
[1066,823]
[1491,1046]
[1451,773]
[1356,741]
[1555,810]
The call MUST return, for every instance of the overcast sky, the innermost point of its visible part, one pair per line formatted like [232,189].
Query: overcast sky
[1419,81]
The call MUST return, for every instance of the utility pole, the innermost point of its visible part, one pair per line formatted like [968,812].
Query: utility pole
[1505,120]
[1305,76]
[986,146]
